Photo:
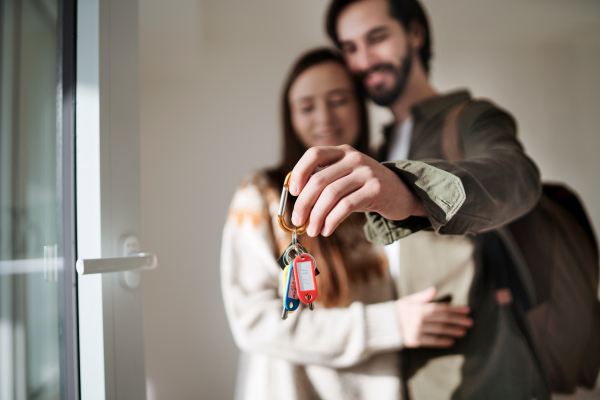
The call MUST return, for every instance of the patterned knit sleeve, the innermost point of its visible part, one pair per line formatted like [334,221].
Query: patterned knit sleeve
[250,277]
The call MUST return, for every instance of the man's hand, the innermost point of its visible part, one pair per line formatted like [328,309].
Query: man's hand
[352,182]
[425,324]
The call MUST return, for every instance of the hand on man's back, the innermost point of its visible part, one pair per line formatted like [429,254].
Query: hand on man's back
[424,323]
[352,182]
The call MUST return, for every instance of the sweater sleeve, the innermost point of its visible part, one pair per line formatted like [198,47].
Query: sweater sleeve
[495,184]
[250,277]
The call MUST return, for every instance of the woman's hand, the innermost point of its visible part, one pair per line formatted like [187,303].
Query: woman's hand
[426,324]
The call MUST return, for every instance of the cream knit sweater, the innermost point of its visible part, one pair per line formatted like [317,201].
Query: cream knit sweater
[328,353]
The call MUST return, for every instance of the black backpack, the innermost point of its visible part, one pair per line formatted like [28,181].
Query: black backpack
[547,261]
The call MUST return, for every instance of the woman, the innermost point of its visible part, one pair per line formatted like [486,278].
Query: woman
[348,346]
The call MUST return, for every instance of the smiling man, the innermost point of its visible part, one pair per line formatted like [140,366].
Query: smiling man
[458,170]
[382,56]
[387,44]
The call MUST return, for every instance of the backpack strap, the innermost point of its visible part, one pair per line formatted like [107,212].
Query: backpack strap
[511,276]
[452,146]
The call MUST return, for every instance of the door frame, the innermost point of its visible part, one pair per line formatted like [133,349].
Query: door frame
[110,310]
[66,187]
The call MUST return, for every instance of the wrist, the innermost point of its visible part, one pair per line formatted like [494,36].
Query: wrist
[417,210]
[403,202]
[383,331]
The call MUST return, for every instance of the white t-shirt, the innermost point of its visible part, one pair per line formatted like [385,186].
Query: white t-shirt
[398,150]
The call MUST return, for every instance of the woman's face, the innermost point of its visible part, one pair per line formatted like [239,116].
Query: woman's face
[324,107]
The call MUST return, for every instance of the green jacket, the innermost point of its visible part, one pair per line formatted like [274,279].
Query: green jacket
[495,184]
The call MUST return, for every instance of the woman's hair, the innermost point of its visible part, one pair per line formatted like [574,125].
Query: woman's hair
[336,272]
[293,148]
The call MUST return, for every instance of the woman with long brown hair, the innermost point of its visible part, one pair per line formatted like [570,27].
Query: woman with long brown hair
[346,347]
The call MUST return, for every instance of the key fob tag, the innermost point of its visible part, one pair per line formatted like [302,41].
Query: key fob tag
[306,281]
[290,297]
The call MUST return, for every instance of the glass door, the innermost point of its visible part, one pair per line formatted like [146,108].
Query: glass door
[65,335]
[38,345]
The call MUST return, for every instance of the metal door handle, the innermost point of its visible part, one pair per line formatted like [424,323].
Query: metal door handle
[130,263]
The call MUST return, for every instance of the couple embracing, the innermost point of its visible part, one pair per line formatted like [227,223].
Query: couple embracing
[403,308]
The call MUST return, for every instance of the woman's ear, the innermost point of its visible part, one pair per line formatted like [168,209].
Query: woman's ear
[416,35]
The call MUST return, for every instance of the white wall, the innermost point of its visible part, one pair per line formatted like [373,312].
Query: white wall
[211,73]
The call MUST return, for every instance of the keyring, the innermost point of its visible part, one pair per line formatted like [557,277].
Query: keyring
[298,249]
[282,203]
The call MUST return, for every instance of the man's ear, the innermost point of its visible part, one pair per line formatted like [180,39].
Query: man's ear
[416,35]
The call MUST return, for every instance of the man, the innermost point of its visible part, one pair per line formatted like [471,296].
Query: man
[430,190]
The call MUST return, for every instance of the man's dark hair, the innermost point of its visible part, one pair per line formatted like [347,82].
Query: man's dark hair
[405,11]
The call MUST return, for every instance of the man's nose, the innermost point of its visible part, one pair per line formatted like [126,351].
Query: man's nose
[362,60]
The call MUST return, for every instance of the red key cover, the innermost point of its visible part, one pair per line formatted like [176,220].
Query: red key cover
[306,281]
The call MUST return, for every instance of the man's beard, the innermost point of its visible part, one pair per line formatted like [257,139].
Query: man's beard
[386,97]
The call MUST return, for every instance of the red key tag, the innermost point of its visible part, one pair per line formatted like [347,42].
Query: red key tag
[306,282]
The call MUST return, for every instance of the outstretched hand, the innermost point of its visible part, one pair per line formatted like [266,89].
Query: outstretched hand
[426,324]
[352,182]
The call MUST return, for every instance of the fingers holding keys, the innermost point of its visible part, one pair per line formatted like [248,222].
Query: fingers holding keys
[329,182]
[360,197]
[426,324]
[351,182]
[314,157]
[353,202]
[308,187]
[338,191]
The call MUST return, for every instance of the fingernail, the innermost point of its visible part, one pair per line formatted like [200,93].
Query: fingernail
[295,219]
[293,189]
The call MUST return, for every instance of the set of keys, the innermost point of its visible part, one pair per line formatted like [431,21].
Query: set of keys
[299,267]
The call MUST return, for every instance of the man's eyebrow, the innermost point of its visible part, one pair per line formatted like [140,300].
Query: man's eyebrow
[345,42]
[379,29]
[374,31]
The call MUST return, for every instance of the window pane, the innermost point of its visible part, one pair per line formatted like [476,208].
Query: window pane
[30,209]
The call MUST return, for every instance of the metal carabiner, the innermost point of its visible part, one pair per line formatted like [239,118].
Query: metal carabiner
[282,203]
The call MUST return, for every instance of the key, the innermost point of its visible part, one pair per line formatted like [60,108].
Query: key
[303,269]
[293,251]
[290,298]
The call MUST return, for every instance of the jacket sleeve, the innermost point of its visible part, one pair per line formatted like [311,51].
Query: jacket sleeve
[495,184]
[250,277]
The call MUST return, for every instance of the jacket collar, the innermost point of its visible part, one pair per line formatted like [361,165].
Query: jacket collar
[428,109]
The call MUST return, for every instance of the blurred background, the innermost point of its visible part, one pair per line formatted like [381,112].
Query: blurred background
[211,76]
